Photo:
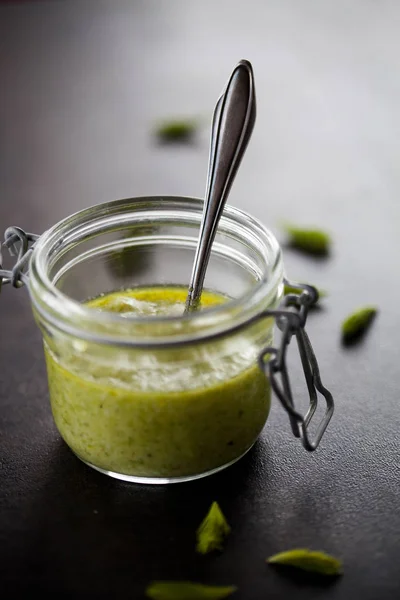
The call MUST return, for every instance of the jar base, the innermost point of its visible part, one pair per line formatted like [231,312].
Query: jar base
[163,480]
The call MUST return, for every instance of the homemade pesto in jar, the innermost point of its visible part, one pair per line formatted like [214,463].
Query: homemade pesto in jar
[140,390]
[162,414]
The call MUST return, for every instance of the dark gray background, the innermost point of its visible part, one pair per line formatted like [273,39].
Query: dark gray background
[81,86]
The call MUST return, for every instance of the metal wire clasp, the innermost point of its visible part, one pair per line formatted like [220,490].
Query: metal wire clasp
[291,318]
[20,244]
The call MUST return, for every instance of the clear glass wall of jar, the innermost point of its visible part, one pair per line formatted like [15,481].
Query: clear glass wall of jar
[155,399]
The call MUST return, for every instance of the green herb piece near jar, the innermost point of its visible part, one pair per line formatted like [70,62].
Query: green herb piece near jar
[186,590]
[308,560]
[291,289]
[357,323]
[212,530]
[309,240]
[177,130]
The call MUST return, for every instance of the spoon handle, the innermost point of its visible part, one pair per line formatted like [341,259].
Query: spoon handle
[233,122]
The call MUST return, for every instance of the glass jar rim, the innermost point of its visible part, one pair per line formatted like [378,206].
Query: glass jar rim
[71,316]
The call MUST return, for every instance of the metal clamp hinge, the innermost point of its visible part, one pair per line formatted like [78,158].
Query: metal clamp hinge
[291,318]
[19,244]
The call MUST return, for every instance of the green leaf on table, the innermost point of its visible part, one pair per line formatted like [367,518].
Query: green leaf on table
[308,560]
[212,530]
[289,289]
[313,241]
[186,590]
[177,130]
[358,322]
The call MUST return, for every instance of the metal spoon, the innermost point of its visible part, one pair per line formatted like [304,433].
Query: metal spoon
[232,126]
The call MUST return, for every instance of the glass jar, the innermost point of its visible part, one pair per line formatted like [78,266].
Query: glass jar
[156,399]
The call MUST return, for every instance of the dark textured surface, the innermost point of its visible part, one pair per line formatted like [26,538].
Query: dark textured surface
[81,86]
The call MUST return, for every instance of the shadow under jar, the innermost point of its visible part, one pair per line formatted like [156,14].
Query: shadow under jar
[156,398]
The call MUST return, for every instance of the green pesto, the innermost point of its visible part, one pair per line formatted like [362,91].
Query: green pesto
[165,414]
